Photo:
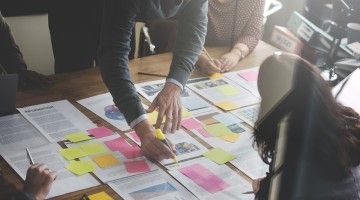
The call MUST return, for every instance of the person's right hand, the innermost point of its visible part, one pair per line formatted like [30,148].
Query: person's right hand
[150,145]
[207,66]
[32,80]
[39,180]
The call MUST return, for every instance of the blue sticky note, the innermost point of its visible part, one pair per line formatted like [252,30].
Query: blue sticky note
[194,103]
[227,119]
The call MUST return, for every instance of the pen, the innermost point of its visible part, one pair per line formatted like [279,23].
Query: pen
[160,135]
[152,74]
[207,54]
[29,156]
[249,192]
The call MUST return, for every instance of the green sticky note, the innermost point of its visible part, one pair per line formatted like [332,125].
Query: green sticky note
[218,130]
[77,137]
[228,90]
[72,153]
[219,156]
[80,167]
[94,148]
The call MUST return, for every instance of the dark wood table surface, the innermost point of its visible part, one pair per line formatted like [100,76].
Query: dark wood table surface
[78,85]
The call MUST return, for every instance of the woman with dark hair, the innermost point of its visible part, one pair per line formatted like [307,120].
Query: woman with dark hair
[322,151]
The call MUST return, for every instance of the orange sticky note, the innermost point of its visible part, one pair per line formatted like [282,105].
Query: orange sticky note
[106,160]
[100,196]
[227,105]
[215,76]
[230,137]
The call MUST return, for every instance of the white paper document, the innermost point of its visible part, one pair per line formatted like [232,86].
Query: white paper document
[118,170]
[221,90]
[16,132]
[208,180]
[103,106]
[186,146]
[49,154]
[246,78]
[248,114]
[155,185]
[56,119]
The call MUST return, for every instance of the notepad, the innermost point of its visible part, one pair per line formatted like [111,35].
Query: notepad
[80,167]
[77,137]
[106,160]
[137,166]
[100,132]
[228,90]
[94,148]
[231,137]
[227,105]
[204,178]
[72,153]
[219,156]
[218,130]
[191,123]
[117,144]
[100,196]
[249,75]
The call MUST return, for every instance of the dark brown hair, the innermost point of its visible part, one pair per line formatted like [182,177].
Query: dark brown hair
[337,131]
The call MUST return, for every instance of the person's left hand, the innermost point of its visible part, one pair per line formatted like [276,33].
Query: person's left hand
[168,103]
[30,80]
[229,60]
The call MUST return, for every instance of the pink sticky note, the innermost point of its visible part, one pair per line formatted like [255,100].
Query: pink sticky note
[203,132]
[249,75]
[135,137]
[204,178]
[191,123]
[117,144]
[100,132]
[131,153]
[136,166]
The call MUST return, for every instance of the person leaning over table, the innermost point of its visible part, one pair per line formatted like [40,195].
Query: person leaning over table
[12,61]
[333,168]
[38,182]
[118,20]
[235,23]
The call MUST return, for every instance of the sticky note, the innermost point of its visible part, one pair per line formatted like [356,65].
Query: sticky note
[80,167]
[215,76]
[204,178]
[219,156]
[132,152]
[249,75]
[228,90]
[106,160]
[72,153]
[77,137]
[218,130]
[100,196]
[185,113]
[227,105]
[203,132]
[117,144]
[135,137]
[227,119]
[231,137]
[136,166]
[94,148]
[193,103]
[152,117]
[100,132]
[191,123]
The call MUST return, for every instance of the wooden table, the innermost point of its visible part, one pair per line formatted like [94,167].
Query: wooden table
[87,83]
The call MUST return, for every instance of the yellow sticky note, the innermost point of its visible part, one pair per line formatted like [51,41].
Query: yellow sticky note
[227,105]
[185,113]
[218,130]
[231,137]
[100,196]
[228,90]
[219,156]
[106,160]
[94,148]
[152,117]
[215,76]
[72,153]
[77,137]
[80,167]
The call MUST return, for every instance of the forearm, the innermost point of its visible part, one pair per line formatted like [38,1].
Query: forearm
[190,40]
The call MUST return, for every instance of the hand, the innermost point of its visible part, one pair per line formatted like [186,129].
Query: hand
[229,60]
[39,180]
[208,67]
[168,103]
[29,79]
[150,145]
[256,185]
